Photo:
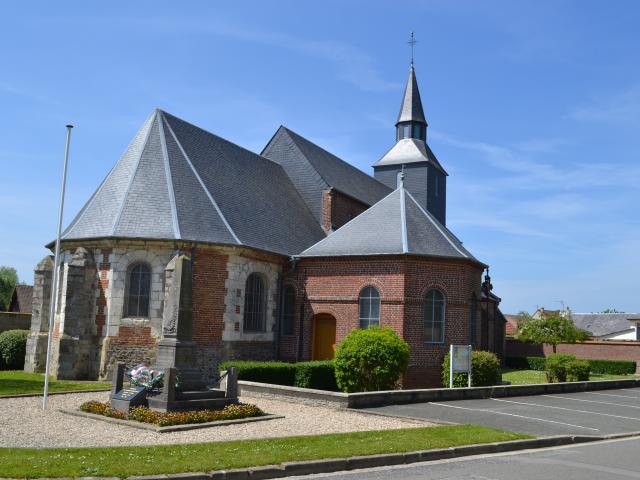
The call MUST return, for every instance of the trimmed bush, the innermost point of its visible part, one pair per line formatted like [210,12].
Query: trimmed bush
[578,371]
[485,371]
[13,348]
[556,366]
[320,375]
[598,366]
[613,367]
[525,363]
[370,360]
[279,373]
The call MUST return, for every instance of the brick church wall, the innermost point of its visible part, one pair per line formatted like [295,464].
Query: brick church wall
[338,209]
[333,285]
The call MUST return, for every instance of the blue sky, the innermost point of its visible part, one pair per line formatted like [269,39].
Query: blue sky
[533,107]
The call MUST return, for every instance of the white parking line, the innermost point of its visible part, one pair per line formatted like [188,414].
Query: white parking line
[568,409]
[513,415]
[592,401]
[614,395]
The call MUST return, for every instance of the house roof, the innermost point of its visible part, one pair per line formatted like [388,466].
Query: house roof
[411,106]
[409,150]
[21,299]
[331,170]
[512,323]
[395,225]
[600,324]
[178,181]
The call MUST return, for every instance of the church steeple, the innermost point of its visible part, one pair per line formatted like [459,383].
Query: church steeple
[411,121]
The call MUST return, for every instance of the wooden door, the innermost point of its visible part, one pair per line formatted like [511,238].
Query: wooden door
[324,337]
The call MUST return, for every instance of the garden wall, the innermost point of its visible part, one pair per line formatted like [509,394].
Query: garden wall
[14,321]
[593,349]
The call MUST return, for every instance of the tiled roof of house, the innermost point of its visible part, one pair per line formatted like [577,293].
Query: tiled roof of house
[178,181]
[395,225]
[600,324]
[21,299]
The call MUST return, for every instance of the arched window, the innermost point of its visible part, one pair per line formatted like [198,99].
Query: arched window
[369,307]
[138,290]
[434,316]
[255,304]
[288,310]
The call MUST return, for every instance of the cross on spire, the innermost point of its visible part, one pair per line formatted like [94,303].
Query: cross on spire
[412,41]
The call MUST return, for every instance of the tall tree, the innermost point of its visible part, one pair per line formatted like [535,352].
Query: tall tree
[551,329]
[8,281]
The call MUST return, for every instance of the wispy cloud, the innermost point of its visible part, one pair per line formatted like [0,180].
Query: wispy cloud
[618,108]
[12,90]
[352,64]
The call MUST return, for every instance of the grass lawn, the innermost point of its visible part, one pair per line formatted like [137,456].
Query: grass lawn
[522,377]
[14,382]
[205,457]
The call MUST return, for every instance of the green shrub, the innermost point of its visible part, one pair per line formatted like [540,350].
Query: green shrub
[13,347]
[370,360]
[485,371]
[279,373]
[613,367]
[320,375]
[578,371]
[536,363]
[556,366]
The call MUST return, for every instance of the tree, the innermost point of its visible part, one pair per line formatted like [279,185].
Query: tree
[611,310]
[8,281]
[551,329]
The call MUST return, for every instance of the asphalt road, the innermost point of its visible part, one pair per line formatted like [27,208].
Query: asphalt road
[610,460]
[585,413]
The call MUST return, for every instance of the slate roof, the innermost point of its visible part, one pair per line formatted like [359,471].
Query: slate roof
[410,150]
[178,181]
[21,299]
[411,107]
[600,324]
[396,225]
[317,165]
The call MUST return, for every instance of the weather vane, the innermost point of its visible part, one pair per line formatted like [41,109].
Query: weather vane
[412,41]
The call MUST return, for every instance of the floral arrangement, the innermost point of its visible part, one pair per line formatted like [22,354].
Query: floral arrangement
[144,376]
[146,415]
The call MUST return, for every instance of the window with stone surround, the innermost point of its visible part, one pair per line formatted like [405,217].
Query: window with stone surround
[138,289]
[434,316]
[255,304]
[288,310]
[369,307]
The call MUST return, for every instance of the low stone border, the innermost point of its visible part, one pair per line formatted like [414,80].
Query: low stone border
[331,465]
[395,397]
[66,392]
[169,428]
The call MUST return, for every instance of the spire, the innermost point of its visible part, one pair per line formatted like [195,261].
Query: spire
[411,107]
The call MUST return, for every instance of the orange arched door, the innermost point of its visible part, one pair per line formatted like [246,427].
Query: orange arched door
[324,337]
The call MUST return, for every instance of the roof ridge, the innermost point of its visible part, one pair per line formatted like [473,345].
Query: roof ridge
[153,117]
[206,190]
[403,219]
[167,173]
[439,227]
[344,162]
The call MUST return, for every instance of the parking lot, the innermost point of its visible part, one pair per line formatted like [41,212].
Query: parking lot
[585,413]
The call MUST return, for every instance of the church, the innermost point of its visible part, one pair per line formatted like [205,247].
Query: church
[278,255]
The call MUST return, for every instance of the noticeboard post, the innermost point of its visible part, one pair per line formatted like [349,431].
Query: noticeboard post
[460,361]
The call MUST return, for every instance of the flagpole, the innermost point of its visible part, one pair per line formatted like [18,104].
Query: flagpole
[56,262]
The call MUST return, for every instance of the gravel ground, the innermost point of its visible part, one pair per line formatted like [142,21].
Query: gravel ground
[24,424]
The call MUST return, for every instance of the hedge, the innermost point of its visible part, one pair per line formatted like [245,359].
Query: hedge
[485,371]
[13,347]
[607,367]
[317,374]
[279,373]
